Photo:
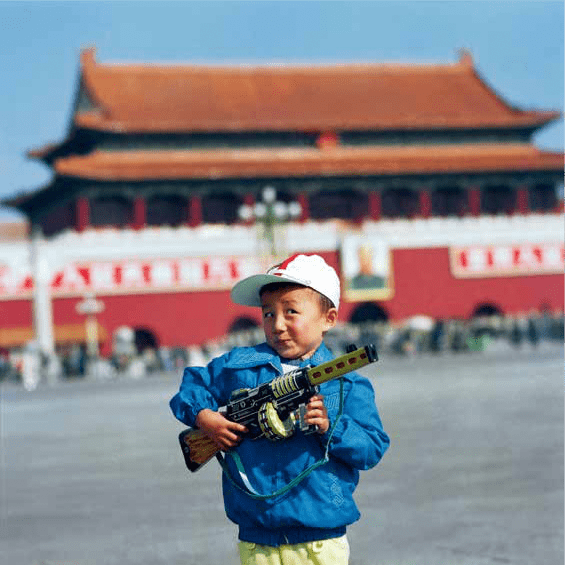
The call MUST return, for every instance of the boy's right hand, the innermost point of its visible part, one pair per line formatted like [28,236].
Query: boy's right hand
[223,432]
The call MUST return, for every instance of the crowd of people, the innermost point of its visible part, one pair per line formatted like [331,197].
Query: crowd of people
[421,335]
[410,337]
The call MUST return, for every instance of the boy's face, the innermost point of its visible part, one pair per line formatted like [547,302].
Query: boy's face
[294,322]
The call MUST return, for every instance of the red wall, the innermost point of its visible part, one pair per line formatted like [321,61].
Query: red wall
[176,319]
[15,313]
[423,284]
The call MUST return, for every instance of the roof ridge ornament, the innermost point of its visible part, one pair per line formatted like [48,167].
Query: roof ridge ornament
[88,56]
[466,58]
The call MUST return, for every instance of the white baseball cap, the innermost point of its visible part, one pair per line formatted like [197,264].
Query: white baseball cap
[307,270]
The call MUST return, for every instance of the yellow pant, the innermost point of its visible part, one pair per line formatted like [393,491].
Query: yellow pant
[325,552]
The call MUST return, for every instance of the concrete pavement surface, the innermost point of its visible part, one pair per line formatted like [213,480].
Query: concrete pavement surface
[91,473]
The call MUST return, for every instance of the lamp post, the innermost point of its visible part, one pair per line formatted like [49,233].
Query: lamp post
[270,212]
[90,307]
[42,306]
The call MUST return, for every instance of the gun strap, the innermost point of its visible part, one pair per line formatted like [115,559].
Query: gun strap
[247,487]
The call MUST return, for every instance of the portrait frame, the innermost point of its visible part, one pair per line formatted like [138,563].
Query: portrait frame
[366,268]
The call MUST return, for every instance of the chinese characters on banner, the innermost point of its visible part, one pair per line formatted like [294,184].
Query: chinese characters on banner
[131,276]
[366,270]
[507,260]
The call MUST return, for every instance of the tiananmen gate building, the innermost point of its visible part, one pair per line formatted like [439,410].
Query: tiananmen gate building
[422,176]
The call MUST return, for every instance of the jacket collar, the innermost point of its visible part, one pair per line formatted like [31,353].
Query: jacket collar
[264,354]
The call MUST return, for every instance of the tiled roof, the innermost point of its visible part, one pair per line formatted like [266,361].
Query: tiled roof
[341,161]
[188,98]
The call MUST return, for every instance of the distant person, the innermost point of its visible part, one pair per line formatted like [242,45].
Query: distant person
[306,525]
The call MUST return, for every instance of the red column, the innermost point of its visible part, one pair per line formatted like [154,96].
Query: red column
[82,211]
[195,211]
[474,197]
[249,200]
[375,205]
[522,200]
[303,201]
[139,213]
[425,203]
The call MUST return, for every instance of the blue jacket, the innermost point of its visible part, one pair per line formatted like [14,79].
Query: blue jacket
[322,505]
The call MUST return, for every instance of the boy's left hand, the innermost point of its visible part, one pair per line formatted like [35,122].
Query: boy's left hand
[316,414]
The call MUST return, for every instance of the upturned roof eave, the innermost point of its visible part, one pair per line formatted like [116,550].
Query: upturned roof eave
[104,123]
[25,201]
[300,164]
[45,153]
[97,122]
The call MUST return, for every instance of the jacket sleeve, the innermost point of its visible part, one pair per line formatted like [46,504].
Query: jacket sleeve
[358,438]
[201,387]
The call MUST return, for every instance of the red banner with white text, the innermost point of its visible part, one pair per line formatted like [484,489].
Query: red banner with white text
[133,276]
[507,260]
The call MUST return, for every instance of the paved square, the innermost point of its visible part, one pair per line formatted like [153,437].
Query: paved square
[91,474]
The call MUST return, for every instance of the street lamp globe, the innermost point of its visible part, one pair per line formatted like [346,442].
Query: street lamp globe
[245,212]
[269,194]
[270,212]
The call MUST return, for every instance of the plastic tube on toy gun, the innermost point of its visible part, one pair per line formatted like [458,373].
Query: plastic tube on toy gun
[343,364]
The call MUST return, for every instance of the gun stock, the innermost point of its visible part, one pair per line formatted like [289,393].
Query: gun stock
[198,448]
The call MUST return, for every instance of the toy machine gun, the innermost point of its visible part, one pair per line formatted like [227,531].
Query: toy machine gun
[274,409]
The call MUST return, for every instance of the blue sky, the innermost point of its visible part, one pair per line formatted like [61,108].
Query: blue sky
[517,46]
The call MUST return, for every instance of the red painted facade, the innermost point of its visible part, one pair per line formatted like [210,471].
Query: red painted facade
[423,284]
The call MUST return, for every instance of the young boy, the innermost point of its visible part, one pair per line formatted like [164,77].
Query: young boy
[307,524]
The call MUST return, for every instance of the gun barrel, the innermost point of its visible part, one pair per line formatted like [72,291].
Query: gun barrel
[343,364]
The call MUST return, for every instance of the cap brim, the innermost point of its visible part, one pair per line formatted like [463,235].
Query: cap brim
[246,292]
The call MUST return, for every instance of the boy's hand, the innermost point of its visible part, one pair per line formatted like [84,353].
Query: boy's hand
[316,414]
[223,432]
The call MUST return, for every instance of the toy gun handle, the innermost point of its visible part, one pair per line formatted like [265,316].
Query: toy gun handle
[197,448]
